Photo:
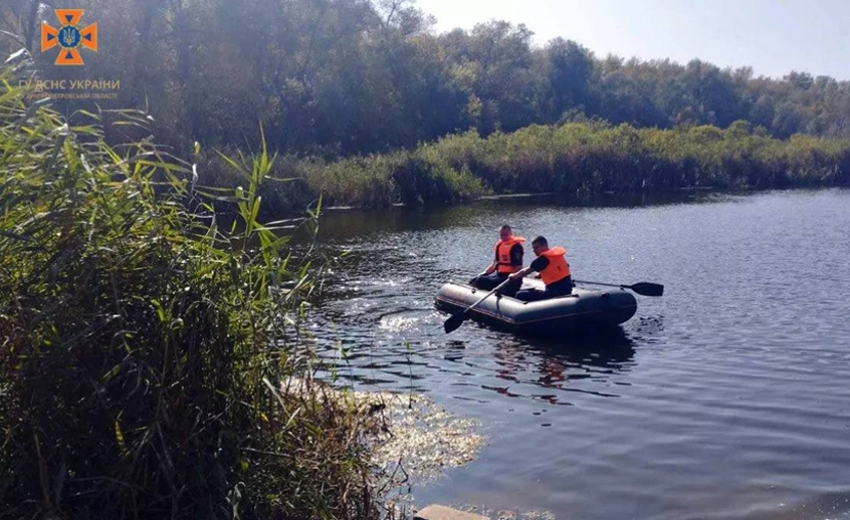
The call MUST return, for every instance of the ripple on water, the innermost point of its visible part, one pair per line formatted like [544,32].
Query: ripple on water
[725,399]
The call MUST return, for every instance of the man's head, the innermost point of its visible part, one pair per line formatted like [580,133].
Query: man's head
[539,245]
[505,232]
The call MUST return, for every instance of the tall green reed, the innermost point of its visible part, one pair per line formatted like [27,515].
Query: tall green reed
[148,348]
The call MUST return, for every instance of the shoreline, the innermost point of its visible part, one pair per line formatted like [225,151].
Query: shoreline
[572,198]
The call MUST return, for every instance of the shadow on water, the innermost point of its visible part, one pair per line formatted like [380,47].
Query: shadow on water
[361,223]
[559,364]
[545,370]
[612,347]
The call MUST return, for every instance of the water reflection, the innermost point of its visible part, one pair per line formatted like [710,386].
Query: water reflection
[724,381]
[365,224]
[558,366]
[515,367]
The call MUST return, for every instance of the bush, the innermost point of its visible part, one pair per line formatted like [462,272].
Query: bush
[143,343]
[584,158]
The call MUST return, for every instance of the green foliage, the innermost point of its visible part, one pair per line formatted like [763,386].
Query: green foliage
[144,341]
[580,158]
[357,77]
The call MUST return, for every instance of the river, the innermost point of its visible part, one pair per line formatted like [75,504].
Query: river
[727,398]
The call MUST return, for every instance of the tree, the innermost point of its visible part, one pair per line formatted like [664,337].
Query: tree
[570,67]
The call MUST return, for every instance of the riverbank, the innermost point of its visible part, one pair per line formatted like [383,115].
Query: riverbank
[575,159]
[152,366]
[143,343]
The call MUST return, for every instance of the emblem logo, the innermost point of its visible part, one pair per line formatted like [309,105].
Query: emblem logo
[69,37]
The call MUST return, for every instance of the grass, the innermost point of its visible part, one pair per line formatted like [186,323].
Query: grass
[574,159]
[146,348]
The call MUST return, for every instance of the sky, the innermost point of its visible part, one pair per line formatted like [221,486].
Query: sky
[773,37]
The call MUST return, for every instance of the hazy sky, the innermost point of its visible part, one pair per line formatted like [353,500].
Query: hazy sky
[772,36]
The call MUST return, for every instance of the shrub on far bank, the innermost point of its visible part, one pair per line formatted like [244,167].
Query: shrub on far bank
[583,158]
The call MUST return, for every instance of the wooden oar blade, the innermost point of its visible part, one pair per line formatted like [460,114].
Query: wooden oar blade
[648,289]
[454,322]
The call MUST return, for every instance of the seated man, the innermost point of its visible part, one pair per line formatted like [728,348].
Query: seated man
[508,260]
[553,268]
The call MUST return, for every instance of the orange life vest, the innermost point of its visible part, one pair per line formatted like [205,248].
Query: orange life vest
[503,255]
[558,268]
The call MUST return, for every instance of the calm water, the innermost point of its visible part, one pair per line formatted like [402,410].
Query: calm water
[728,398]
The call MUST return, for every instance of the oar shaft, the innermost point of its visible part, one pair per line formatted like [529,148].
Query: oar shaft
[458,318]
[642,288]
[600,283]
[474,305]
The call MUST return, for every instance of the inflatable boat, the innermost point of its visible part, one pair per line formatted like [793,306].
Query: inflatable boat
[583,311]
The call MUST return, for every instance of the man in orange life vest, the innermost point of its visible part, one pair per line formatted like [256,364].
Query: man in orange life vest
[553,268]
[508,260]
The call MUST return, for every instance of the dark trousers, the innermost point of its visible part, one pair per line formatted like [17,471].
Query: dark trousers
[491,281]
[560,288]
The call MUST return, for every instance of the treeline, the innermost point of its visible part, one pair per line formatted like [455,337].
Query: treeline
[344,77]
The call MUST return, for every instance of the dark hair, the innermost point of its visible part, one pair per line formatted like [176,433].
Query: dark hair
[505,227]
[540,241]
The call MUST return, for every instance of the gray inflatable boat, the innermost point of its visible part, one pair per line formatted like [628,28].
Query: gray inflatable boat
[583,311]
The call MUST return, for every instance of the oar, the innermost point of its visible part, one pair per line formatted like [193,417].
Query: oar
[458,318]
[642,288]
